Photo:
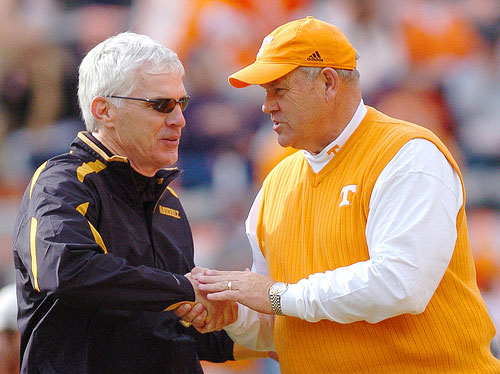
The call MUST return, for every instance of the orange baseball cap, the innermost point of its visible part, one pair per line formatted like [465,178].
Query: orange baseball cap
[304,42]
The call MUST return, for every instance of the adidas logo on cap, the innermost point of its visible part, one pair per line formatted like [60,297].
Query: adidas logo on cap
[315,57]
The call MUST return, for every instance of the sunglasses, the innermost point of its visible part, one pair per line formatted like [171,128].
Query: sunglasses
[160,105]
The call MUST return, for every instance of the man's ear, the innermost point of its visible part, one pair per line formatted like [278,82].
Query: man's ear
[331,82]
[102,111]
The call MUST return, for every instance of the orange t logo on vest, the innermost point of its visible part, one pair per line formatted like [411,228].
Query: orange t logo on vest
[345,194]
[333,150]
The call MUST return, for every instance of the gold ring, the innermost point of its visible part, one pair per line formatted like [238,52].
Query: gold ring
[184,323]
[229,285]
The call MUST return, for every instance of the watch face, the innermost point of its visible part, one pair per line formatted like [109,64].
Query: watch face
[278,288]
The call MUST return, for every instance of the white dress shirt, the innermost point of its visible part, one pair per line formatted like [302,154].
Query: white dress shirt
[410,232]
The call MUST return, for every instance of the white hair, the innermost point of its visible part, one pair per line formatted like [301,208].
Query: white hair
[109,68]
[346,75]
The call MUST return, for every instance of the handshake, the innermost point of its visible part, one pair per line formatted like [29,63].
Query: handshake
[217,294]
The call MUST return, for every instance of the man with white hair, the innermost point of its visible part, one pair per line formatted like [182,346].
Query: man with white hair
[102,243]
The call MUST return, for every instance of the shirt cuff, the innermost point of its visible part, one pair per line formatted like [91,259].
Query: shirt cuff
[288,301]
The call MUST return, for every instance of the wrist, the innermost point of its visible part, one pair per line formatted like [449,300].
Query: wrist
[275,291]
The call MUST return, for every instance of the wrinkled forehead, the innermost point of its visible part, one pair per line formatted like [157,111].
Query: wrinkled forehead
[296,76]
[159,82]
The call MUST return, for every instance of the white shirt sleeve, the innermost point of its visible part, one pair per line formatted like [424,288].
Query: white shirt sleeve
[411,235]
[253,329]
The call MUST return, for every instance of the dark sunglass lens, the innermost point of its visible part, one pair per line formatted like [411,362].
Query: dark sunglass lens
[164,105]
[167,105]
[184,103]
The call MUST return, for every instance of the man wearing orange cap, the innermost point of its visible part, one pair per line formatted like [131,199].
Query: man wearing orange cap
[362,262]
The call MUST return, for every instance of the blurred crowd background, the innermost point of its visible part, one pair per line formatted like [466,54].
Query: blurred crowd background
[432,62]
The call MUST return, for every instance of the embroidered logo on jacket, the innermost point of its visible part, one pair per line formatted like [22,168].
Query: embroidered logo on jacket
[170,212]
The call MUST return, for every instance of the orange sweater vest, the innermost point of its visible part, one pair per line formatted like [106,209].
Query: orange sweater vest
[303,230]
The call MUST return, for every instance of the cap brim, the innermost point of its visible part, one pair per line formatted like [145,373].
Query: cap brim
[259,73]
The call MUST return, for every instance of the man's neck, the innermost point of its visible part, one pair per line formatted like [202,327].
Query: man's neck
[115,149]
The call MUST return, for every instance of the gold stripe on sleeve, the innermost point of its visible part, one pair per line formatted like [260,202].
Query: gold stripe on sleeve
[36,175]
[34,267]
[82,208]
[98,238]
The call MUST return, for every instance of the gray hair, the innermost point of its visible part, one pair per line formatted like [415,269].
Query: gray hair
[344,74]
[109,68]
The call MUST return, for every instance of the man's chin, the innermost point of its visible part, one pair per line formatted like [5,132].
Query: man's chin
[169,160]
[284,142]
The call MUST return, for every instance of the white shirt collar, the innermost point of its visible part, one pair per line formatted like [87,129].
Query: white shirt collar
[319,160]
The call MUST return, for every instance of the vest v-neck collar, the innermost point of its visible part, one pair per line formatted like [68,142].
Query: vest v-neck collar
[318,161]
[349,143]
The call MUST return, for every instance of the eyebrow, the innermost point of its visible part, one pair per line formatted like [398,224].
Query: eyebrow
[274,84]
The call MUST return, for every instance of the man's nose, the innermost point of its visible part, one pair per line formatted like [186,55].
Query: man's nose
[269,105]
[176,117]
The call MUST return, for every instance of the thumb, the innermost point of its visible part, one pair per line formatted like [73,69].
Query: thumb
[199,271]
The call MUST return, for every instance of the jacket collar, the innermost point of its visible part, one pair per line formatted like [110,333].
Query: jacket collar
[120,173]
[98,148]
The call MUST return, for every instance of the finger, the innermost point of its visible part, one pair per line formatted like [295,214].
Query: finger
[207,278]
[216,287]
[214,325]
[208,325]
[199,270]
[182,310]
[221,273]
[205,329]
[199,321]
[223,296]
[194,313]
[217,325]
[202,329]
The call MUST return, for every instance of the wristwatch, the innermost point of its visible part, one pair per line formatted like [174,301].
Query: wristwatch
[275,291]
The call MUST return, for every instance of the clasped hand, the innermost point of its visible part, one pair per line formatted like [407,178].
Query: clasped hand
[245,287]
[206,315]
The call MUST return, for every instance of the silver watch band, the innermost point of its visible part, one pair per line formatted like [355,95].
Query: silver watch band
[276,304]
[275,291]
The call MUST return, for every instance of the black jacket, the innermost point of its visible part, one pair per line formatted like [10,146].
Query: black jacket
[100,252]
